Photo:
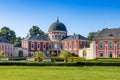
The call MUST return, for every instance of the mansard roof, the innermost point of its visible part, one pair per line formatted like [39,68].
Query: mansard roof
[108,34]
[3,40]
[75,37]
[37,37]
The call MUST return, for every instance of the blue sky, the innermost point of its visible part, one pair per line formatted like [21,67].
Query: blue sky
[79,16]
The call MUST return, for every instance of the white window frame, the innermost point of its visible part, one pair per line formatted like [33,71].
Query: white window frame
[38,44]
[111,45]
[44,46]
[118,44]
[109,54]
[101,45]
[100,55]
[32,45]
[75,45]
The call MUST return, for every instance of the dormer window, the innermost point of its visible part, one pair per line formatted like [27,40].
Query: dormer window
[111,35]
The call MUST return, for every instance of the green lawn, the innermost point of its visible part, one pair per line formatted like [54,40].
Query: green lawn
[59,73]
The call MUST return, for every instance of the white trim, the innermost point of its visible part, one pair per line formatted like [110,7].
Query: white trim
[32,43]
[38,44]
[44,46]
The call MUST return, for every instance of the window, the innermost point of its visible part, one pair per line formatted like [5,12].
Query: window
[110,55]
[101,45]
[52,36]
[101,55]
[74,44]
[70,45]
[118,55]
[111,45]
[2,47]
[65,44]
[60,46]
[38,45]
[80,45]
[49,45]
[44,46]
[119,44]
[59,36]
[52,46]
[84,54]
[32,45]
[55,36]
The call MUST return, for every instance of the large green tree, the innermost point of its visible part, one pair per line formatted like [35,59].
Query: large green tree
[92,35]
[66,54]
[38,55]
[36,30]
[8,34]
[17,42]
[2,55]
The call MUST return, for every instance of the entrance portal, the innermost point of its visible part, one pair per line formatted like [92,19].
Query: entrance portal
[20,53]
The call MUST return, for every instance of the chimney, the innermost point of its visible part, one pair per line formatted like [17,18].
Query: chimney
[74,34]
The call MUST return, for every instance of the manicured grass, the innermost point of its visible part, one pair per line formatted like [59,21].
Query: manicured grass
[59,73]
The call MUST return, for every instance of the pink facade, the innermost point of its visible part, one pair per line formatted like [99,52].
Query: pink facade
[57,40]
[33,46]
[74,45]
[71,45]
[110,49]
[108,43]
[7,48]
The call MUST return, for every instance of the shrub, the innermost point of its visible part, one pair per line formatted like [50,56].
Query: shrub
[57,59]
[17,59]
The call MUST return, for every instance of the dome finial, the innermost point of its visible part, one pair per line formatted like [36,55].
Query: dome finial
[57,19]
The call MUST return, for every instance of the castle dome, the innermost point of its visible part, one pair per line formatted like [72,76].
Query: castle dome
[57,26]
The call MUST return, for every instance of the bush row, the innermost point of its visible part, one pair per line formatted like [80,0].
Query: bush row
[55,59]
[60,64]
[36,64]
[17,59]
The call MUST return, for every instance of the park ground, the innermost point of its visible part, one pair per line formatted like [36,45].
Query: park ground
[59,73]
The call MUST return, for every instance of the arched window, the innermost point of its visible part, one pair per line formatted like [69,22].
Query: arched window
[101,45]
[84,54]
[111,45]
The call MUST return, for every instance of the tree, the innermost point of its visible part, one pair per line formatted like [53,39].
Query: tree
[65,54]
[53,53]
[92,35]
[36,30]
[17,42]
[2,55]
[38,55]
[8,34]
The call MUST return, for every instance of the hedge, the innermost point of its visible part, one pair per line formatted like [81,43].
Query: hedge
[17,59]
[60,64]
[36,64]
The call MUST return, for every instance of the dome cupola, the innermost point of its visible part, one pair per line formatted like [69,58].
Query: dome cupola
[57,26]
[57,31]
